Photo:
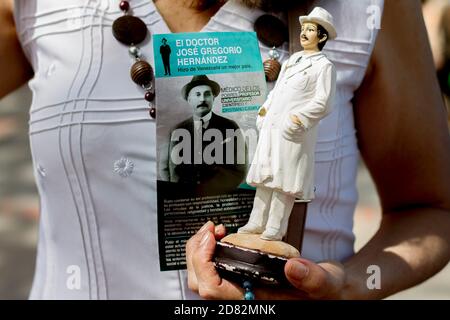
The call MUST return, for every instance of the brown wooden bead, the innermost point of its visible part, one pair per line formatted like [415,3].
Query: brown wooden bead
[271,31]
[272,69]
[129,30]
[152,112]
[142,73]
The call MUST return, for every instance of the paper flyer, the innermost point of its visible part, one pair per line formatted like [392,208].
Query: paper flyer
[209,87]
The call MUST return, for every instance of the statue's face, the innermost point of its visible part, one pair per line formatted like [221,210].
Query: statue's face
[309,38]
[201,99]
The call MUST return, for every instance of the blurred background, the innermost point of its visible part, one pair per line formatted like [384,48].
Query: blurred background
[19,204]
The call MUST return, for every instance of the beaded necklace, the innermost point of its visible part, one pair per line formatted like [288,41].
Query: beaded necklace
[131,30]
[272,32]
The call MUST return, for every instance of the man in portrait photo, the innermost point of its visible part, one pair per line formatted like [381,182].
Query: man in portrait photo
[207,153]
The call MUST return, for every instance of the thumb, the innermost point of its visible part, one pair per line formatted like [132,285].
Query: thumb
[323,280]
[202,258]
[210,285]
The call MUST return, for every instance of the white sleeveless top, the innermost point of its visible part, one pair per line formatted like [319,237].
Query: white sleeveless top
[94,147]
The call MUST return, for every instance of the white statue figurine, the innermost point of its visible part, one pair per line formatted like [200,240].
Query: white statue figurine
[283,166]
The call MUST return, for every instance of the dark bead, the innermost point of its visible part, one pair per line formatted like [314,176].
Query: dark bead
[249,295]
[152,112]
[142,73]
[150,96]
[129,30]
[124,5]
[247,285]
[271,31]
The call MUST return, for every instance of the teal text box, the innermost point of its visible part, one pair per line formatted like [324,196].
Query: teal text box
[206,53]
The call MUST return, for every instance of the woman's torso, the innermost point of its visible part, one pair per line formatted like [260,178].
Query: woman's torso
[94,147]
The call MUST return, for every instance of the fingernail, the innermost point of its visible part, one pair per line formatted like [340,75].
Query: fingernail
[205,238]
[205,226]
[298,270]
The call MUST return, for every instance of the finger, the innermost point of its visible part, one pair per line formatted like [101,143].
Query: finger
[318,281]
[191,247]
[207,226]
[210,285]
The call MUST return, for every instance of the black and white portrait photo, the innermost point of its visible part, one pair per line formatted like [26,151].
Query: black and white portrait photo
[206,152]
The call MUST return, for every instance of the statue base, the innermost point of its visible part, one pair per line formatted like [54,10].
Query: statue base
[241,257]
